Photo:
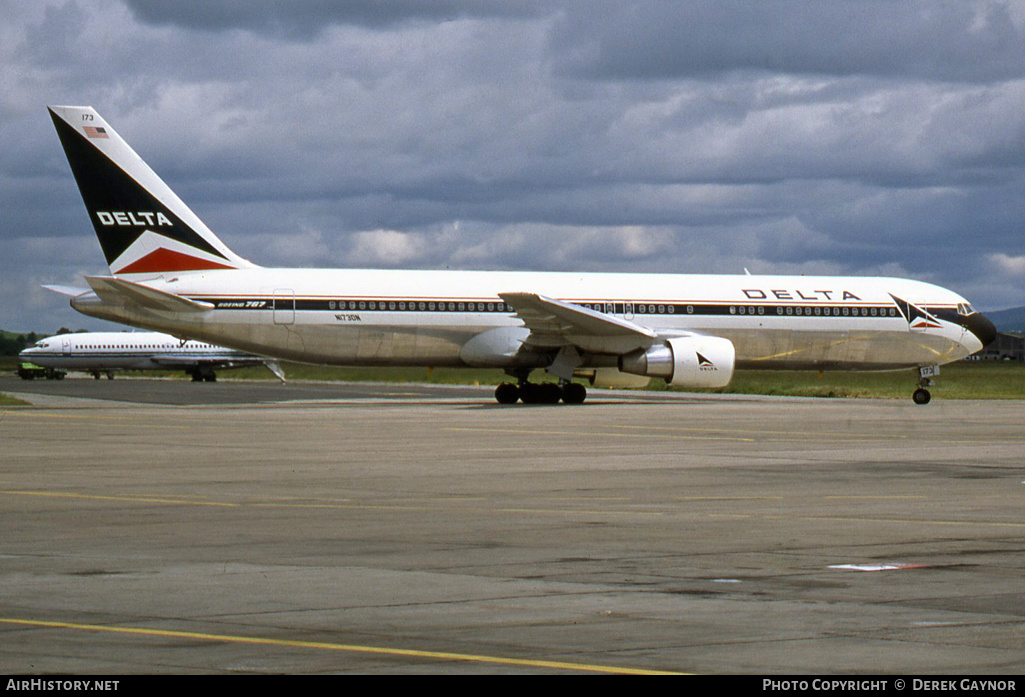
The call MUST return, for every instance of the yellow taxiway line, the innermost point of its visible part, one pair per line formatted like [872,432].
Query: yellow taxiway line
[350,648]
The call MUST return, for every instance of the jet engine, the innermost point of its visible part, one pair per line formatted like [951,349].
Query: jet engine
[686,361]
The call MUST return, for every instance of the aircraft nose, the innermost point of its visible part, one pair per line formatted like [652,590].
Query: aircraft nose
[981,326]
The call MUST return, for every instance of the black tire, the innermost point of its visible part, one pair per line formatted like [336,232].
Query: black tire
[550,393]
[921,396]
[530,393]
[574,393]
[507,393]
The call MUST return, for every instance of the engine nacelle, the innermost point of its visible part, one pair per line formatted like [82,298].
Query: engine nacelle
[685,361]
[500,347]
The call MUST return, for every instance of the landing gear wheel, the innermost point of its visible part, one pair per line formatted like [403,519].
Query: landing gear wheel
[574,393]
[530,393]
[543,393]
[507,393]
[550,393]
[925,375]
[539,393]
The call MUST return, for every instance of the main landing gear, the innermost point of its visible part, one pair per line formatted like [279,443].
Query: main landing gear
[202,375]
[541,393]
[925,375]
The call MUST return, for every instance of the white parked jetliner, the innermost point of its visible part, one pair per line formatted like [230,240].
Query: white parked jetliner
[103,353]
[170,273]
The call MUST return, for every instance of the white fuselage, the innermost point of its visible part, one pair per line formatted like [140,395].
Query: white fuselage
[106,351]
[425,318]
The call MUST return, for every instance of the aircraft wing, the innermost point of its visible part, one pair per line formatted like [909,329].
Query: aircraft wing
[217,360]
[213,360]
[553,323]
[119,290]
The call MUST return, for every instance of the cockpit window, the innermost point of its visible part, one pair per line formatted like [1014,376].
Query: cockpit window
[964,309]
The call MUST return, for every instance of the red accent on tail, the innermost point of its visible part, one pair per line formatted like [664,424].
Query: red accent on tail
[169,260]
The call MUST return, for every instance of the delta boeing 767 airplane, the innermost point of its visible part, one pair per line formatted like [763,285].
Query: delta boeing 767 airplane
[170,273]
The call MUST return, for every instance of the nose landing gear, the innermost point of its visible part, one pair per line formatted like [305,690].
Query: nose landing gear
[925,375]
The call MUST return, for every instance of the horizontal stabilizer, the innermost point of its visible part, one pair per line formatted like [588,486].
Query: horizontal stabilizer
[70,291]
[119,290]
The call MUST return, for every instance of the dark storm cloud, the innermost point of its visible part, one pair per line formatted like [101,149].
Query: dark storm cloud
[857,137]
[649,39]
[307,18]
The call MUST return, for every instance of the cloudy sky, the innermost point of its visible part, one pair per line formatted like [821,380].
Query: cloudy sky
[861,137]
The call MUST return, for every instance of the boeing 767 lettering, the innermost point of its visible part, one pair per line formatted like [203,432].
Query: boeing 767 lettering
[169,272]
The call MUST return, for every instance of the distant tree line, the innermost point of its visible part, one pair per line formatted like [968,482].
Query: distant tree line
[12,344]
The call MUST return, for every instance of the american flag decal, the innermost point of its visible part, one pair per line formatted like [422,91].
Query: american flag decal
[96,131]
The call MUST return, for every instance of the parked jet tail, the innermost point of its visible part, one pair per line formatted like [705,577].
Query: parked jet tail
[144,228]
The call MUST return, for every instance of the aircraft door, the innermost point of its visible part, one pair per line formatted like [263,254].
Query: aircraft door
[66,347]
[284,306]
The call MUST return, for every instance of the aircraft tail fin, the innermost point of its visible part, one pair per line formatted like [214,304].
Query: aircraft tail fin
[144,228]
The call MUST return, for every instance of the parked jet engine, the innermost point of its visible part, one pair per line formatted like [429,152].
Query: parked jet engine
[686,361]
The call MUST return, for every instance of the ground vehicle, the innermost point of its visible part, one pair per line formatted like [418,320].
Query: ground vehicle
[31,371]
